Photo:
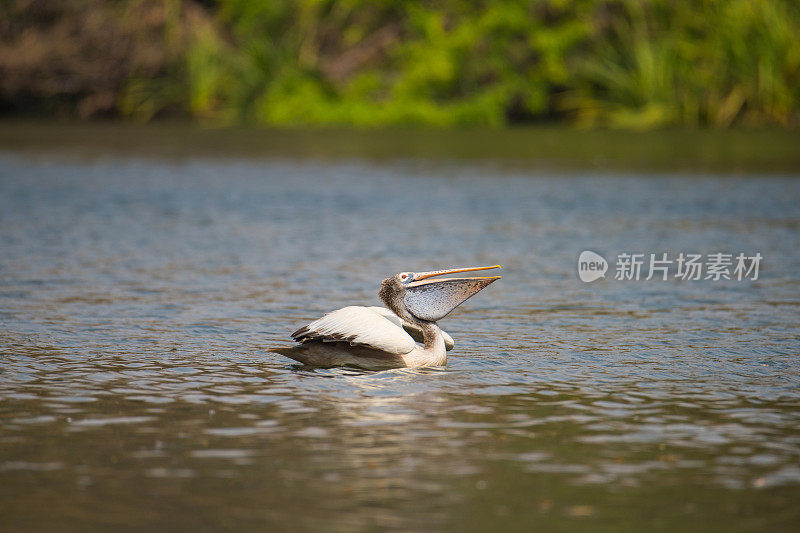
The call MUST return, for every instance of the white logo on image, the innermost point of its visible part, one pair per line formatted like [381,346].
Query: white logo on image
[591,266]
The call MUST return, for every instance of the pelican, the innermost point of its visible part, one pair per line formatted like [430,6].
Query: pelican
[377,338]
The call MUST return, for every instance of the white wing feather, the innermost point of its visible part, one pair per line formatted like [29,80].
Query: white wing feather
[386,313]
[359,326]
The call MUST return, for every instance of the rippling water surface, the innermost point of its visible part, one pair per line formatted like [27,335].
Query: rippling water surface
[139,298]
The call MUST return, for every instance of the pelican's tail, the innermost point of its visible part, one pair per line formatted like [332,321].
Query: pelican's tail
[316,354]
[292,352]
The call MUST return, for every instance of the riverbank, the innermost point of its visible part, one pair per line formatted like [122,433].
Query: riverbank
[542,148]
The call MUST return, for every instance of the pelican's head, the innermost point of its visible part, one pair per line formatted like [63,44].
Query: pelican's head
[414,297]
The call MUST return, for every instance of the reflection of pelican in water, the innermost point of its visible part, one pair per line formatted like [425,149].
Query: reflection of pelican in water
[373,338]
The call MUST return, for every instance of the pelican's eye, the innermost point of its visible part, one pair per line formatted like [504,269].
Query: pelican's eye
[405,277]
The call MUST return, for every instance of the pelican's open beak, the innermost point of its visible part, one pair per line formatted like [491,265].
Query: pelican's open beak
[433,299]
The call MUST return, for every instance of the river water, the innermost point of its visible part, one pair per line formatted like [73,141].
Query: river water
[139,298]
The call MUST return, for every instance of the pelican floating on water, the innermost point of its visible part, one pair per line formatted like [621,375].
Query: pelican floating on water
[377,338]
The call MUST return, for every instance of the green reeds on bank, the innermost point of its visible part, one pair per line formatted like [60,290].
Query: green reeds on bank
[633,64]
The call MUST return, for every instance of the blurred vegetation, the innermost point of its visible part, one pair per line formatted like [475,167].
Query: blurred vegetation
[79,57]
[618,63]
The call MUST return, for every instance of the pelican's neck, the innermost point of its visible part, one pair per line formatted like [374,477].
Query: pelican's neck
[431,334]
[435,351]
